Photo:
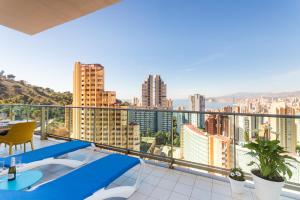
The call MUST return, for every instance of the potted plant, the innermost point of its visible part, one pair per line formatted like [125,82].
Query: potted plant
[272,168]
[237,180]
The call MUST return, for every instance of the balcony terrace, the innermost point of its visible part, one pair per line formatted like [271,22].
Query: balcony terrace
[158,181]
[186,159]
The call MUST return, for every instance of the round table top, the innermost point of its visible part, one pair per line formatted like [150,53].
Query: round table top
[23,180]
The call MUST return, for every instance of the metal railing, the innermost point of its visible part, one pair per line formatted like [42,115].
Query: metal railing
[205,141]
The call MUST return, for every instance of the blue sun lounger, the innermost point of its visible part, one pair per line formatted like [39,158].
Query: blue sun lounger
[87,182]
[48,155]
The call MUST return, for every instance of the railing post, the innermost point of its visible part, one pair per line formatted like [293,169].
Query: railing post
[11,113]
[234,140]
[43,124]
[70,109]
[27,113]
[255,127]
[94,128]
[172,142]
[127,132]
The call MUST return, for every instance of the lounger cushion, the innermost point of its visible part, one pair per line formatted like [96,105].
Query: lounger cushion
[80,183]
[48,152]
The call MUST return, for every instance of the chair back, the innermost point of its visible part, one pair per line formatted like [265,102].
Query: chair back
[21,132]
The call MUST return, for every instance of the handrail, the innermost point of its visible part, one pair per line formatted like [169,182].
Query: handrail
[137,109]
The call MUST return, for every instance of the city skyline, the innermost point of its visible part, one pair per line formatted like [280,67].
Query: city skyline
[172,99]
[256,52]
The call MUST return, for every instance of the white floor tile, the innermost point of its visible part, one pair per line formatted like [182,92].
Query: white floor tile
[151,198]
[183,189]
[221,188]
[152,180]
[146,188]
[203,184]
[177,196]
[160,193]
[187,180]
[216,196]
[201,194]
[158,173]
[171,176]
[166,184]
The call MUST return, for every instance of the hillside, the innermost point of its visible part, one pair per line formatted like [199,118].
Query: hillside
[244,95]
[20,92]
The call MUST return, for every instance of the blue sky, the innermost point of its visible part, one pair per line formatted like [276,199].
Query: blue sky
[212,47]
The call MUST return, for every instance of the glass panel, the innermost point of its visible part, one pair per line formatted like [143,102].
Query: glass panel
[56,121]
[5,112]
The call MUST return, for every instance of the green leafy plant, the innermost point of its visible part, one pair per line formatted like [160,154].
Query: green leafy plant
[237,174]
[272,160]
[246,136]
[298,149]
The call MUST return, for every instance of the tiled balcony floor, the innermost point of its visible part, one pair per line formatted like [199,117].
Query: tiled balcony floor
[158,182]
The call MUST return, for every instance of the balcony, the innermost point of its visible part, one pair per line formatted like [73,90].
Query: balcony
[168,175]
[158,182]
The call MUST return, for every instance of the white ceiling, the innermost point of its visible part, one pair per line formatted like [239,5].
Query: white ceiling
[34,16]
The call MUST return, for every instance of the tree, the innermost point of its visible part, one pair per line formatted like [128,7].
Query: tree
[1,73]
[149,132]
[176,137]
[11,77]
[23,82]
[36,114]
[177,142]
[298,149]
[161,138]
[246,136]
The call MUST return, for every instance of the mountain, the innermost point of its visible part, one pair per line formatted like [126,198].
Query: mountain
[20,92]
[244,95]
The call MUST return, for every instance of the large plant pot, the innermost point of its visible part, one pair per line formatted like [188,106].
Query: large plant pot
[237,187]
[265,189]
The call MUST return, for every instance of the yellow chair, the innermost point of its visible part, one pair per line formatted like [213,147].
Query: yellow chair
[20,133]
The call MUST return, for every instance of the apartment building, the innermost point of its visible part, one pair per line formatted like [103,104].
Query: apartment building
[154,92]
[199,146]
[284,128]
[197,103]
[99,123]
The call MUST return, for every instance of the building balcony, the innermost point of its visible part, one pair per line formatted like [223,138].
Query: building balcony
[158,181]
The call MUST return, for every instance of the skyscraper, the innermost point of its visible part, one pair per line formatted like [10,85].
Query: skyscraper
[102,125]
[201,147]
[284,128]
[154,92]
[197,103]
[154,95]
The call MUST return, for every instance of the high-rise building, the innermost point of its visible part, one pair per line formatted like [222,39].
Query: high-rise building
[284,128]
[194,145]
[151,121]
[154,92]
[169,103]
[201,147]
[297,121]
[197,103]
[211,125]
[221,151]
[136,102]
[102,125]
